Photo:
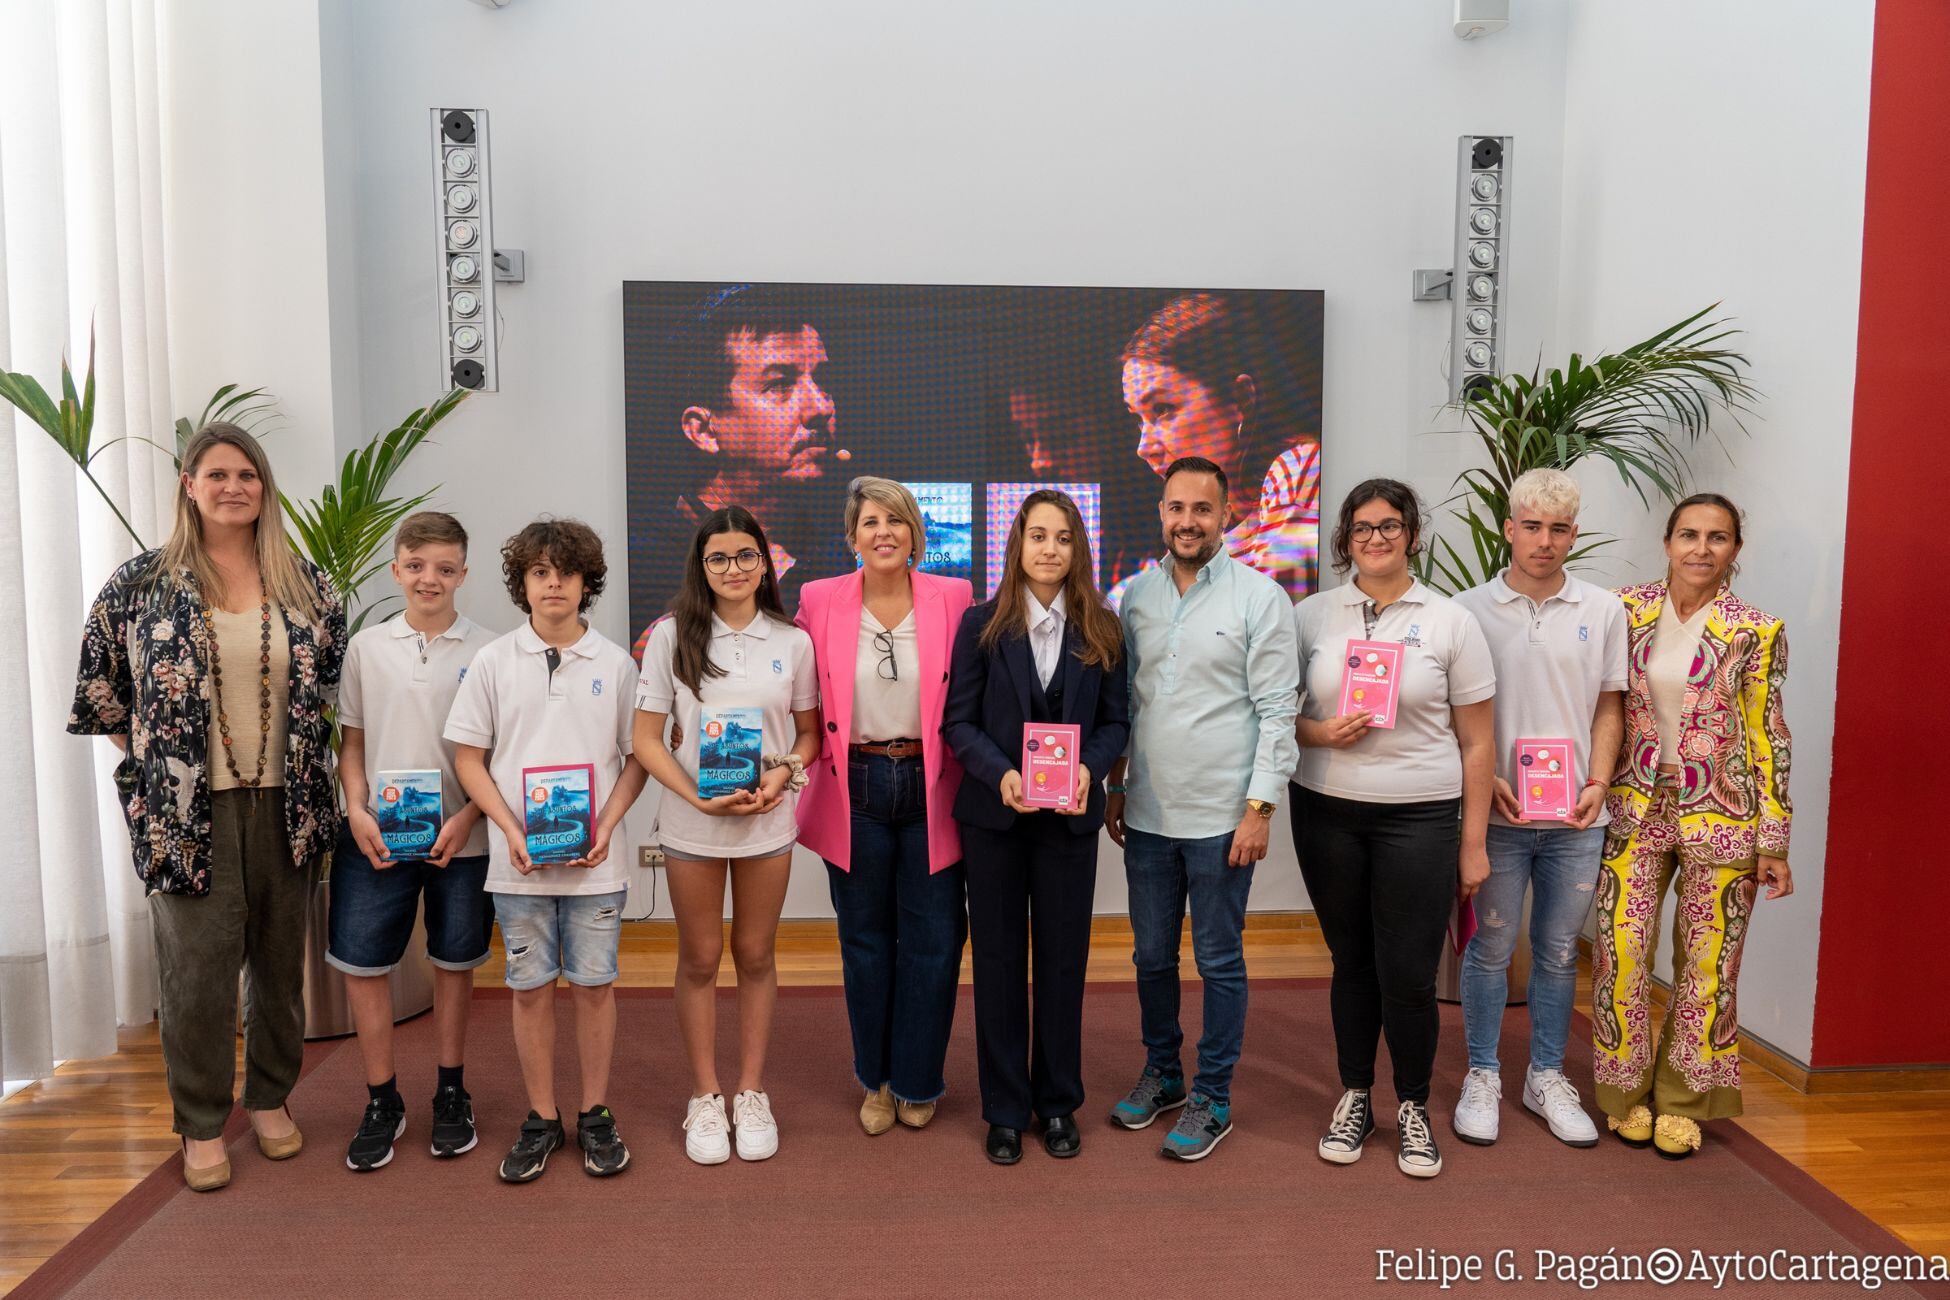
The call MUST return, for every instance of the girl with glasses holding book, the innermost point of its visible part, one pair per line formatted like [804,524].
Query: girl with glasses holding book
[210,662]
[879,807]
[1046,650]
[737,677]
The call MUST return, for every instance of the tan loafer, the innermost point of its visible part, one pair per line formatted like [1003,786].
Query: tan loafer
[915,1114]
[207,1179]
[877,1112]
[282,1148]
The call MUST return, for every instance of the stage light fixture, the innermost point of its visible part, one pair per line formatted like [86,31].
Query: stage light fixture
[463,203]
[1482,226]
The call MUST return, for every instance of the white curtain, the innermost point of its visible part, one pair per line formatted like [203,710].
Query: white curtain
[80,246]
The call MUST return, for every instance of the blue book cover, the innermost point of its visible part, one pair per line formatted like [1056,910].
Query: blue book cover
[558,811]
[948,515]
[407,808]
[730,747]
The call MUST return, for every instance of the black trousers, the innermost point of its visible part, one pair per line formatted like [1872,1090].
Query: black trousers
[1382,877]
[1030,891]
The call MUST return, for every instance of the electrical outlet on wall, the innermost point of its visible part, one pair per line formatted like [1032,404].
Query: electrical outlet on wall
[649,856]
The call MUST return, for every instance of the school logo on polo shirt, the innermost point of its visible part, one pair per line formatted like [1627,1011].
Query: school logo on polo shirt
[1414,636]
[596,686]
[778,667]
[1584,632]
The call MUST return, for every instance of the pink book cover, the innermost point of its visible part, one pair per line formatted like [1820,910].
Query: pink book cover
[1544,789]
[1462,923]
[1373,672]
[1049,763]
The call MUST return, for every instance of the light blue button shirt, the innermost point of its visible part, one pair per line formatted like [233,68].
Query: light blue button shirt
[1214,686]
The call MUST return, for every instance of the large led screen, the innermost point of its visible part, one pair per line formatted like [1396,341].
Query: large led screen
[774,396]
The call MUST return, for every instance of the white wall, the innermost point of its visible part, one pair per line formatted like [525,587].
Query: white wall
[1711,155]
[244,216]
[1237,143]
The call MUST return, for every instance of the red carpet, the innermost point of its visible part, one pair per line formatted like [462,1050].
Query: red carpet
[922,1213]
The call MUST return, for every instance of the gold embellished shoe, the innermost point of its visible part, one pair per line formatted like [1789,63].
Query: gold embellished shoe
[1635,1130]
[207,1179]
[1675,1137]
[877,1112]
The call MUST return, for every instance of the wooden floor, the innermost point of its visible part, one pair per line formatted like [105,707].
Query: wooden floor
[74,1144]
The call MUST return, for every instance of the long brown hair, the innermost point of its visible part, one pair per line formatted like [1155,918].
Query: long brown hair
[1102,635]
[284,579]
[694,603]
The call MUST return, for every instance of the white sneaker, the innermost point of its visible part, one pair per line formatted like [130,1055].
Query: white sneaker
[706,1137]
[758,1132]
[1549,1094]
[1477,1111]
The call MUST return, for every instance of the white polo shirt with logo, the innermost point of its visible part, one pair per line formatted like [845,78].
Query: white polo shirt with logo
[398,687]
[1552,662]
[512,705]
[1445,663]
[767,665]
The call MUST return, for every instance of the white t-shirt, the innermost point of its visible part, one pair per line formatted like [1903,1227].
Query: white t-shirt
[767,665]
[1669,672]
[398,687]
[886,708]
[1552,662]
[511,705]
[1445,663]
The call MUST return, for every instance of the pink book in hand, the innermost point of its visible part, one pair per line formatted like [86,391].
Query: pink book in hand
[1373,674]
[1049,763]
[1544,789]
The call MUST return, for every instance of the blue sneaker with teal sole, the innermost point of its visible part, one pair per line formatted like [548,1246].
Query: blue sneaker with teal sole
[1198,1129]
[1155,1093]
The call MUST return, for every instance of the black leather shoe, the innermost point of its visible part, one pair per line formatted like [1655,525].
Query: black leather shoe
[1061,1137]
[1004,1145]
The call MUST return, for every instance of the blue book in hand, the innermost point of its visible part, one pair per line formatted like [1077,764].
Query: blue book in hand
[407,808]
[730,746]
[557,811]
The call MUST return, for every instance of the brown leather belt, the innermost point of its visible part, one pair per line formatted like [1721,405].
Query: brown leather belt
[889,748]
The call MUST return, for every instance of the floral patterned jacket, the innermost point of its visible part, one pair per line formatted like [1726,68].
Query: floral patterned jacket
[144,660]
[1734,746]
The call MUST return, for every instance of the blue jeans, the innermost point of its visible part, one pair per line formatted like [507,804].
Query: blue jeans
[901,932]
[550,935]
[1562,864]
[1162,874]
[373,910]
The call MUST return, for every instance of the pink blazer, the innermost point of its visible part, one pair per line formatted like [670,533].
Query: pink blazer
[829,610]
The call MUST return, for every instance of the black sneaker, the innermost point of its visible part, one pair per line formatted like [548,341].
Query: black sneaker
[603,1153]
[540,1138]
[453,1122]
[1154,1093]
[1418,1157]
[1352,1123]
[379,1128]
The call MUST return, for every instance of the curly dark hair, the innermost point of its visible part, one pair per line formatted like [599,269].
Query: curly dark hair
[1392,491]
[569,544]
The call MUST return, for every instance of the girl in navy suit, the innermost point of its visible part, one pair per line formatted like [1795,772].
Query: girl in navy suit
[1046,649]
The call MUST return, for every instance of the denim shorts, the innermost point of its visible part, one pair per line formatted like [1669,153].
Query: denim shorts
[373,911]
[548,935]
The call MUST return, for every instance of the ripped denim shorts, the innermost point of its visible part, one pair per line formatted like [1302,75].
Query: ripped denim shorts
[547,935]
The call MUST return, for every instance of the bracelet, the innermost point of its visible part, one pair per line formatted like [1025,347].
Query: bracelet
[1591,781]
[1114,789]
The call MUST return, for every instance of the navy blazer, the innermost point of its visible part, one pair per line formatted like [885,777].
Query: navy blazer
[988,703]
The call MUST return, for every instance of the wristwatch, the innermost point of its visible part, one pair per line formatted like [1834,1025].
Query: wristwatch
[1260,806]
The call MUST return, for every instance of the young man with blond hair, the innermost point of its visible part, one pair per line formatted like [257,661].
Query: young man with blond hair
[1559,648]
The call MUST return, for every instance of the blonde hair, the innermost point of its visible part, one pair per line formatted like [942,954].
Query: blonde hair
[285,580]
[893,498]
[1548,492]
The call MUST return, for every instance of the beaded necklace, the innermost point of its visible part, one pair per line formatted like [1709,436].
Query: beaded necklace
[263,693]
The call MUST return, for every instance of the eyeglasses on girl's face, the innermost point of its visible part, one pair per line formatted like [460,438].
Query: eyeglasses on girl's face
[719,562]
[1389,529]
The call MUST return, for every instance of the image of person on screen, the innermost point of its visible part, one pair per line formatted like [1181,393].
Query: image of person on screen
[1204,378]
[756,425]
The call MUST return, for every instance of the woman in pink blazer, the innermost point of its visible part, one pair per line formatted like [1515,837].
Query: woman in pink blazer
[880,805]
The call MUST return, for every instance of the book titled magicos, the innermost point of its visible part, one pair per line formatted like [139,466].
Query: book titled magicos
[1049,764]
[557,814]
[730,744]
[407,807]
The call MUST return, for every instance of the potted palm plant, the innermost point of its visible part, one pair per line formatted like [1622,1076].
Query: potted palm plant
[1640,410]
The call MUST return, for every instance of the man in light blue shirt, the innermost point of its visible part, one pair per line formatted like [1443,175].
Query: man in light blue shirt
[1214,680]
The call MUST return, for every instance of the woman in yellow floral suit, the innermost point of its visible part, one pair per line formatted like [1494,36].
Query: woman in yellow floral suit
[1700,800]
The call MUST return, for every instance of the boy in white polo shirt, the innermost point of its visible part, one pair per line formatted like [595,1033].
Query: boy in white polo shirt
[1559,648]
[543,724]
[399,683]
